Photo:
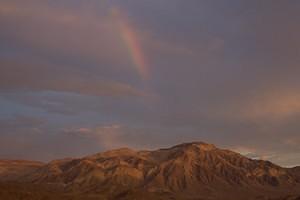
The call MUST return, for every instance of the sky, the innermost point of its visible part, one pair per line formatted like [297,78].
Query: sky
[80,77]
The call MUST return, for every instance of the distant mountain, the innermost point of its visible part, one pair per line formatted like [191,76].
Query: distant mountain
[186,171]
[13,169]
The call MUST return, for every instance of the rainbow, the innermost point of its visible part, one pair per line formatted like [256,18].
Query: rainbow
[131,41]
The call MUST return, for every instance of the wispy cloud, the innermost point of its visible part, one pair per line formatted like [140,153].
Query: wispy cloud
[42,77]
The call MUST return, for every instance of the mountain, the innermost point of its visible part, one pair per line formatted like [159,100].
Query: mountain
[13,169]
[296,172]
[187,171]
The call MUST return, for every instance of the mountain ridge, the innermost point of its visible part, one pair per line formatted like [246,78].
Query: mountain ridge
[189,170]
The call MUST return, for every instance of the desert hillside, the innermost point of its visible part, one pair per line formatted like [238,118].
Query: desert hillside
[187,171]
[13,169]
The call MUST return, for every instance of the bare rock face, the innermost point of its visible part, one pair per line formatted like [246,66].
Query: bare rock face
[191,170]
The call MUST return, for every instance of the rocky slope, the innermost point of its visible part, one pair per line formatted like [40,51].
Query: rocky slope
[14,169]
[187,171]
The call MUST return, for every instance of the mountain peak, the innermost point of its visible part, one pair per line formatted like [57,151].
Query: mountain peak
[201,145]
[186,169]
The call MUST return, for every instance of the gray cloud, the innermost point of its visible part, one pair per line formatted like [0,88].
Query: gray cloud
[20,121]
[40,76]
[225,73]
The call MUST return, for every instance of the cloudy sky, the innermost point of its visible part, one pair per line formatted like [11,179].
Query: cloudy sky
[79,77]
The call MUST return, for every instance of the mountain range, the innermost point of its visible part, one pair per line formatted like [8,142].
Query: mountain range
[195,171]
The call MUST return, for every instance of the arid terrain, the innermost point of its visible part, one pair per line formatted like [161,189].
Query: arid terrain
[186,171]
